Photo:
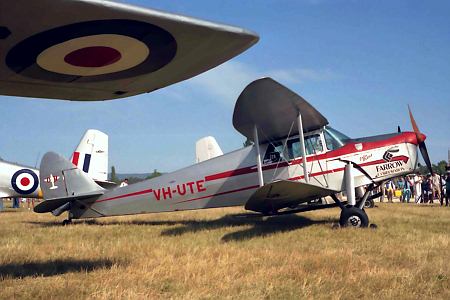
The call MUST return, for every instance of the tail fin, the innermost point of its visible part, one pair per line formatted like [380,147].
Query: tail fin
[91,155]
[60,179]
[206,148]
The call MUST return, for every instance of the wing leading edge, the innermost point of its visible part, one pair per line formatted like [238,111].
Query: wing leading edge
[100,50]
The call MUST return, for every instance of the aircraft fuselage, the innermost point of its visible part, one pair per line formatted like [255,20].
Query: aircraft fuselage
[230,179]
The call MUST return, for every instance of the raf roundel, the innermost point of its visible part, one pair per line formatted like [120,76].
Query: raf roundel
[24,181]
[93,51]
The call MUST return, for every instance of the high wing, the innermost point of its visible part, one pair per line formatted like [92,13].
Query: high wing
[273,108]
[281,194]
[100,50]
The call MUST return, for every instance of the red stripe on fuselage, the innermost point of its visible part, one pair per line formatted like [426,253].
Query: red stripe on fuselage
[219,194]
[126,195]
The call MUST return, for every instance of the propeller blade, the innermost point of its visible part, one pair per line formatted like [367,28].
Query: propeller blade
[425,156]
[420,140]
[414,126]
[398,129]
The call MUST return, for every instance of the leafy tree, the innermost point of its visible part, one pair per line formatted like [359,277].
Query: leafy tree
[133,179]
[440,167]
[154,174]
[113,176]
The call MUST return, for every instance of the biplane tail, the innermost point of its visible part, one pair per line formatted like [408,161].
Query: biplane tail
[62,183]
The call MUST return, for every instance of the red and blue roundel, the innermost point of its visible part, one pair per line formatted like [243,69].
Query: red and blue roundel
[24,181]
[93,51]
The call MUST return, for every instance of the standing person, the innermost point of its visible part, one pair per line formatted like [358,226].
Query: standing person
[424,187]
[124,183]
[15,202]
[406,193]
[30,200]
[442,189]
[436,190]
[447,188]
[411,185]
[400,186]
[389,190]
[429,189]
[417,188]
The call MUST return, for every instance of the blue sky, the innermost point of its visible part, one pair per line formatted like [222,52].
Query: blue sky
[359,62]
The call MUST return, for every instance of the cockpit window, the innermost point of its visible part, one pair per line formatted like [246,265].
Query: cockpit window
[334,139]
[274,153]
[313,144]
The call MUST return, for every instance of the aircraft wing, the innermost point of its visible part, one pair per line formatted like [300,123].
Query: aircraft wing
[283,193]
[273,108]
[100,50]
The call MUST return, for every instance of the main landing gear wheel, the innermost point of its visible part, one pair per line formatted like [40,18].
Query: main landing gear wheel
[353,217]
[66,222]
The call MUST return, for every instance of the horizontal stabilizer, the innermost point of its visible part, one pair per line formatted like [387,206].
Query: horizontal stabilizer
[51,205]
[273,108]
[281,194]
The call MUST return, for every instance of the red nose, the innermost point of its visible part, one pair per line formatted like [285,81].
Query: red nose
[421,137]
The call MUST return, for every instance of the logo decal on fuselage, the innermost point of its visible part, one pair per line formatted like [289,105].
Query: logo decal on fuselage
[387,156]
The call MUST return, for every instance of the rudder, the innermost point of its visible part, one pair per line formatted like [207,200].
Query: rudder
[91,155]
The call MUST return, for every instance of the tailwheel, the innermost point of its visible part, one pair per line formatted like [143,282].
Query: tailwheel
[353,217]
[67,222]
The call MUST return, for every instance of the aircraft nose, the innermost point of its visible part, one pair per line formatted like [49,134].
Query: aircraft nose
[421,137]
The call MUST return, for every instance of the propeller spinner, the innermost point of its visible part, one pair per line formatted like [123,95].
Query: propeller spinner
[421,142]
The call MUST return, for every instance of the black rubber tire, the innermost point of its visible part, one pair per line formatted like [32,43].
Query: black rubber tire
[369,203]
[353,217]
[66,222]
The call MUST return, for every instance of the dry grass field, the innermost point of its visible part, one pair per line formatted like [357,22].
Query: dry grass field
[218,254]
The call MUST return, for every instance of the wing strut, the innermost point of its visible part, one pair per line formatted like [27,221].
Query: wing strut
[302,147]
[258,156]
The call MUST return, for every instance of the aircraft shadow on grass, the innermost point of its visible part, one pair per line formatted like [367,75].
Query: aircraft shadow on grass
[260,226]
[52,267]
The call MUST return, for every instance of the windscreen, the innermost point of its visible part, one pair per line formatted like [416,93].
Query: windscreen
[334,139]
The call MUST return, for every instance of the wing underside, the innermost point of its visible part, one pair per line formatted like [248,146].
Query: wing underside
[99,50]
[281,194]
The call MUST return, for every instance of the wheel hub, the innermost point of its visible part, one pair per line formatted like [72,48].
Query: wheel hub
[354,221]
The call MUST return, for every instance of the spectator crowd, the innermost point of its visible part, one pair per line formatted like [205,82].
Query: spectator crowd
[418,188]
